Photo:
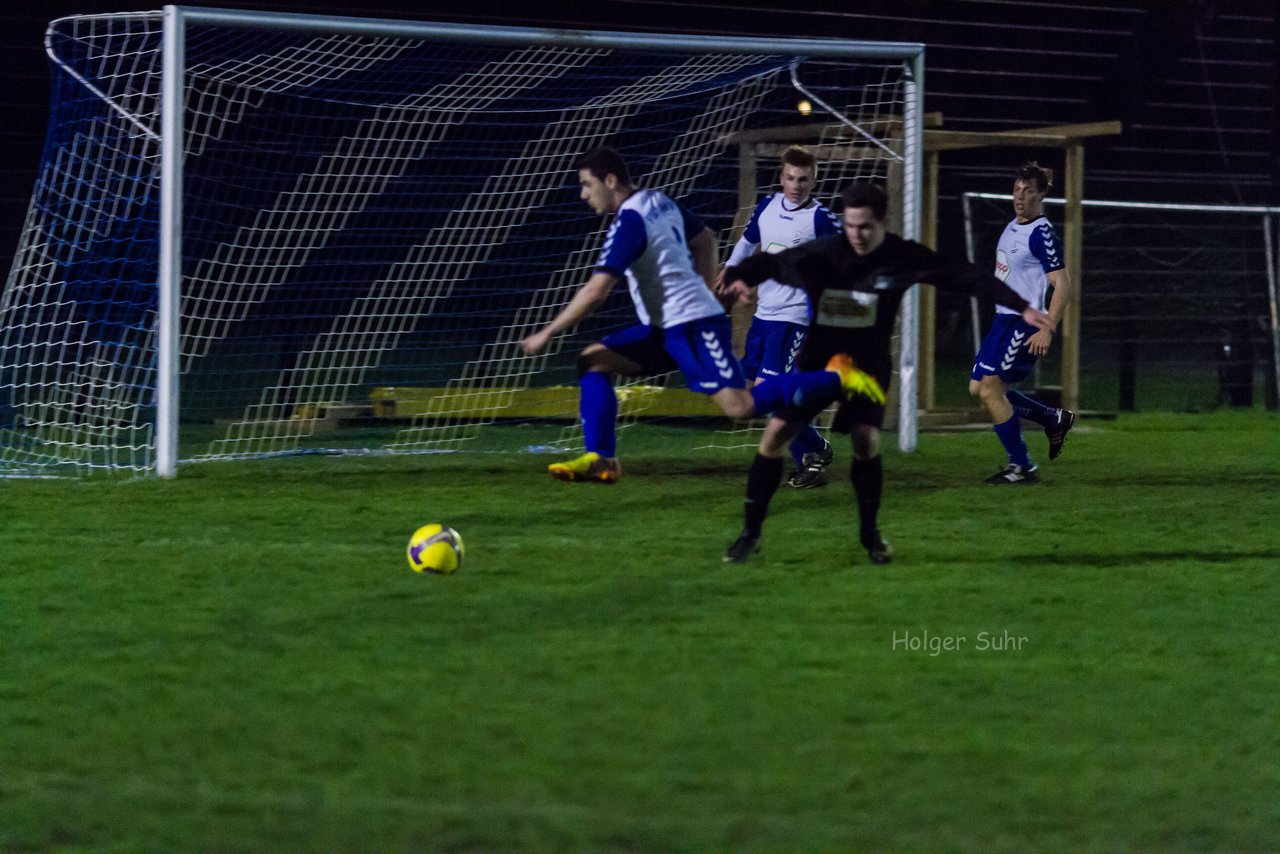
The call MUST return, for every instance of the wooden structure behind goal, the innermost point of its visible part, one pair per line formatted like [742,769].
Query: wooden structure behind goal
[768,145]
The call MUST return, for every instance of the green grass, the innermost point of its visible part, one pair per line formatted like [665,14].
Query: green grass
[241,660]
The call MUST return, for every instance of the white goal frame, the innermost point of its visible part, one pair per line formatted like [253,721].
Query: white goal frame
[176,20]
[1267,218]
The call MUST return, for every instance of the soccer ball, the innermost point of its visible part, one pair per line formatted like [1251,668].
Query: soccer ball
[435,548]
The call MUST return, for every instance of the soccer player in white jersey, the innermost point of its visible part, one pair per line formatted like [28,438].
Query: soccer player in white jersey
[1029,259]
[668,257]
[781,221]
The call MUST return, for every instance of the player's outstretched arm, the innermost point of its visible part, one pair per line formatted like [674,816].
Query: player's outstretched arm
[586,300]
[963,277]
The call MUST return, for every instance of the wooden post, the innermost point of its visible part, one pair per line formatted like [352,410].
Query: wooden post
[928,296]
[741,315]
[893,219]
[1073,234]
[746,187]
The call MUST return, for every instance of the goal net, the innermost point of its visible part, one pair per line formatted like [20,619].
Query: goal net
[337,235]
[1178,305]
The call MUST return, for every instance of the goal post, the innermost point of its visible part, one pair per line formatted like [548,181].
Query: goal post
[1180,304]
[269,233]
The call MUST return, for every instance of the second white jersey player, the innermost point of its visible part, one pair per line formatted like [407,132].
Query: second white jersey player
[776,225]
[782,221]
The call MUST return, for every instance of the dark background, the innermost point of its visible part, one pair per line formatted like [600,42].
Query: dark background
[1194,82]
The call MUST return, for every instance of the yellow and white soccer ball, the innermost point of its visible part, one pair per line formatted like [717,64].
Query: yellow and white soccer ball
[435,548]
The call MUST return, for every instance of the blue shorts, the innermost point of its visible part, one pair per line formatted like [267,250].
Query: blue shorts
[1004,351]
[772,346]
[702,350]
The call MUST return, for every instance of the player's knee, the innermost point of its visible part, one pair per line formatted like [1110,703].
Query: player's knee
[991,389]
[975,388]
[590,360]
[738,406]
[866,442]
[777,435]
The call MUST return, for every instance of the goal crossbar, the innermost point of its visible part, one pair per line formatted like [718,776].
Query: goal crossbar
[163,119]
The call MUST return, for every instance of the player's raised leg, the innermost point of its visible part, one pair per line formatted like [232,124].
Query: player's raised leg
[804,393]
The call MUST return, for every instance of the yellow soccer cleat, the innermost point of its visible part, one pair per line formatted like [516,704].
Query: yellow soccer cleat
[855,380]
[588,467]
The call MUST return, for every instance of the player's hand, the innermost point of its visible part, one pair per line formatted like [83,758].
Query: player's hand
[718,287]
[535,343]
[735,293]
[1038,344]
[1037,318]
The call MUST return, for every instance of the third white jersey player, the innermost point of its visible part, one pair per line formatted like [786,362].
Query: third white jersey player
[1026,252]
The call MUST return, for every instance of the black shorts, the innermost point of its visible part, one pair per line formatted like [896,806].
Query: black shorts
[870,352]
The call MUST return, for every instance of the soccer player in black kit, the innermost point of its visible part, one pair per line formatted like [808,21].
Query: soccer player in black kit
[855,281]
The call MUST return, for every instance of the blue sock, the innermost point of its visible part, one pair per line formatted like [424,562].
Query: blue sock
[1029,407]
[1010,434]
[808,441]
[809,392]
[598,406]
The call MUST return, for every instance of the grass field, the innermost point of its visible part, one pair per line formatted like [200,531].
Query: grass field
[241,660]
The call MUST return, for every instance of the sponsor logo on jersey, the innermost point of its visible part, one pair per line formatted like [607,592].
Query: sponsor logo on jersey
[847,309]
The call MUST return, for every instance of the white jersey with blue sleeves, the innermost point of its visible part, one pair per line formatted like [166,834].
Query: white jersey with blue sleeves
[648,242]
[1025,253]
[774,227]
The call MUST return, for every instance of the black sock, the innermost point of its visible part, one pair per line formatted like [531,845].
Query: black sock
[763,479]
[867,477]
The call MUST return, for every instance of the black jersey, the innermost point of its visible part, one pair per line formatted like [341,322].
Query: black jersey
[854,298]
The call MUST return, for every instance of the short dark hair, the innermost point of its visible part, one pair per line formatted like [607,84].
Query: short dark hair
[862,194]
[602,162]
[1032,171]
[798,155]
